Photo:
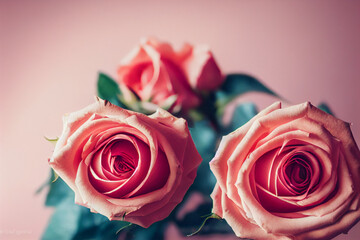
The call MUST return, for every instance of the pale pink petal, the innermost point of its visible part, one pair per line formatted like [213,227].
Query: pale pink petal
[243,227]
[216,196]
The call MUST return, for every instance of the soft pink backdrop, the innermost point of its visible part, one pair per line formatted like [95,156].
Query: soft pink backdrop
[51,51]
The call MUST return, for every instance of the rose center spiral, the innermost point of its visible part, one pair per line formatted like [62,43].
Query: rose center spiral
[297,172]
[123,163]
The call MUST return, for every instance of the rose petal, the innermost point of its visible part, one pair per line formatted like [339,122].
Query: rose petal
[218,164]
[201,69]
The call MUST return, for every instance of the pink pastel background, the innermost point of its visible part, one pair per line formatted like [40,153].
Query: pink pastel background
[51,52]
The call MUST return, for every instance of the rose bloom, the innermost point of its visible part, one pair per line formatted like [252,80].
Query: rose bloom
[155,72]
[126,165]
[290,173]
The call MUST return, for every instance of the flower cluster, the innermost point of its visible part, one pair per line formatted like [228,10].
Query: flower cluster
[282,173]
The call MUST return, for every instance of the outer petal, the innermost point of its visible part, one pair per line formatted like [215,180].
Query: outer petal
[341,226]
[342,131]
[154,72]
[216,196]
[243,227]
[201,69]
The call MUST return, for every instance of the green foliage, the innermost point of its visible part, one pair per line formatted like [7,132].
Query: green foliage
[205,139]
[238,84]
[241,115]
[109,90]
[58,191]
[155,231]
[64,222]
[323,106]
[97,227]
[71,221]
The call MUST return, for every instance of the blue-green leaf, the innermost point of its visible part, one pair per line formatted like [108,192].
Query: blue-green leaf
[63,223]
[242,83]
[97,227]
[204,136]
[71,222]
[242,114]
[205,139]
[53,176]
[155,231]
[323,106]
[108,89]
[58,192]
[237,84]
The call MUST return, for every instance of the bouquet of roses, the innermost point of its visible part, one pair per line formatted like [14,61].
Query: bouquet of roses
[153,153]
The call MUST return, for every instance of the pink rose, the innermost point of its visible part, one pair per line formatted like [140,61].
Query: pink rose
[289,173]
[157,73]
[126,165]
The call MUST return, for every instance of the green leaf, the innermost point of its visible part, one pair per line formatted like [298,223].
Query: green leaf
[241,115]
[323,106]
[58,192]
[42,187]
[204,136]
[107,87]
[97,227]
[109,90]
[237,84]
[71,222]
[155,231]
[53,177]
[208,109]
[63,223]
[205,139]
[242,83]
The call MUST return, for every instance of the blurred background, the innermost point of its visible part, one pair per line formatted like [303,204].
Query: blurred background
[51,52]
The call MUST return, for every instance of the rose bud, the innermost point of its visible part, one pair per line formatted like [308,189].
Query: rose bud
[126,165]
[157,73]
[290,173]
